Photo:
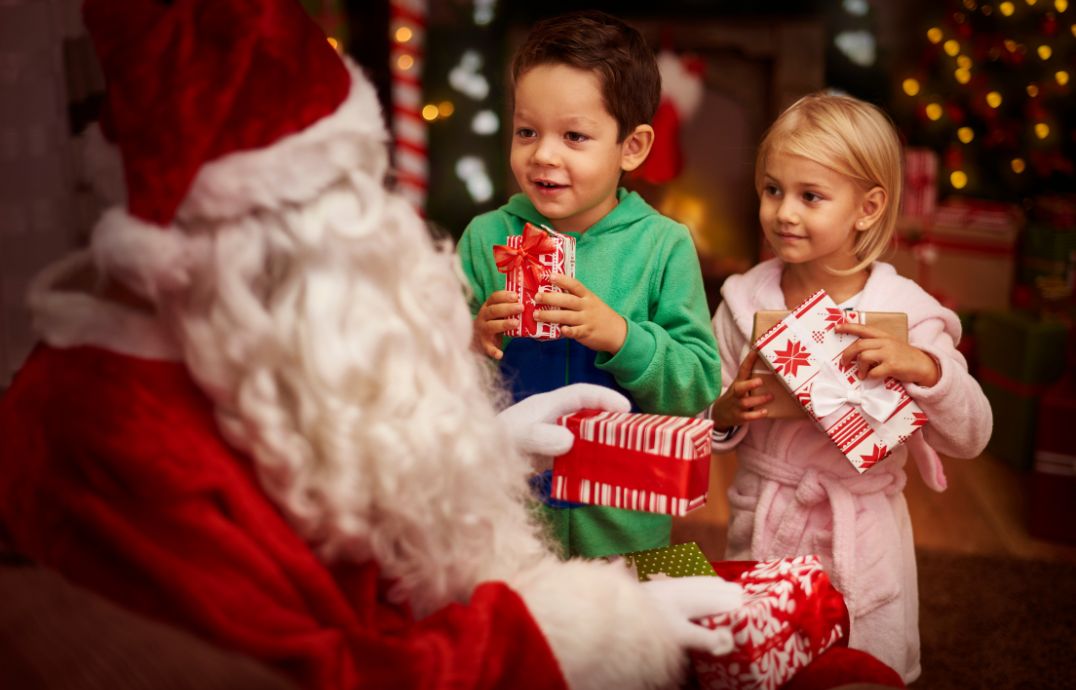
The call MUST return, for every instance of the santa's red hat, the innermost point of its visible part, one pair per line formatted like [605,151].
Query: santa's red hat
[218,108]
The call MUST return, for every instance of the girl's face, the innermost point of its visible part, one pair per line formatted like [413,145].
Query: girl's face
[565,154]
[809,212]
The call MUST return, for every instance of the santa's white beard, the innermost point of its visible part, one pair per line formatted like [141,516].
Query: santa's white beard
[334,340]
[330,331]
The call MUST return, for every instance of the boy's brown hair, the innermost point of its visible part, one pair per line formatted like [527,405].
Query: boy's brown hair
[599,43]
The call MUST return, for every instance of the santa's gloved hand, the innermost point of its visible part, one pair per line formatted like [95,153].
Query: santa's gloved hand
[685,598]
[532,422]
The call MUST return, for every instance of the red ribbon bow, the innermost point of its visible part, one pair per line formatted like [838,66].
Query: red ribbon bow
[527,257]
[816,614]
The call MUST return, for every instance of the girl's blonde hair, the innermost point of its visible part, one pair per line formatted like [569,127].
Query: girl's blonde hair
[853,138]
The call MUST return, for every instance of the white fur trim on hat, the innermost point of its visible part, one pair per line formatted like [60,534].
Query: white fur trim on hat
[297,167]
[146,258]
[679,84]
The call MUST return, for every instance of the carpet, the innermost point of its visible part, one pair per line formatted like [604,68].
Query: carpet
[999,623]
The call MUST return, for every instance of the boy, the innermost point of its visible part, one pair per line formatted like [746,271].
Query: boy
[635,317]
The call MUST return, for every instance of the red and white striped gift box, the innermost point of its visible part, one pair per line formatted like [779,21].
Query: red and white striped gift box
[866,419]
[528,260]
[648,462]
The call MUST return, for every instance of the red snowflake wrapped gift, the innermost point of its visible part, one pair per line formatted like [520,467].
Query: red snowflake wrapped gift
[865,418]
[790,615]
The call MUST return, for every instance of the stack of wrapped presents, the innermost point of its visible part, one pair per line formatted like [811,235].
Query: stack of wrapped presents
[1009,271]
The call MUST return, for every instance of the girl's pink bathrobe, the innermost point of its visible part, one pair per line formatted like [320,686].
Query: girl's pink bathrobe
[795,493]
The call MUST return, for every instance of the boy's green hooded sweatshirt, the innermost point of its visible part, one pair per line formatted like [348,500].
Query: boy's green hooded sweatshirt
[645,267]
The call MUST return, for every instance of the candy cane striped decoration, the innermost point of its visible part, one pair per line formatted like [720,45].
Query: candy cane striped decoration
[407,19]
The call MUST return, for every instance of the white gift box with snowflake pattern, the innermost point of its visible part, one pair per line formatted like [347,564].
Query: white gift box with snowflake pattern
[804,350]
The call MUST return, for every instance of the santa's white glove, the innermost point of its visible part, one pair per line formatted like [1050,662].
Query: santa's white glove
[532,422]
[682,599]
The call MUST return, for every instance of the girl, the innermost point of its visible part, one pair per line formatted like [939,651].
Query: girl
[828,175]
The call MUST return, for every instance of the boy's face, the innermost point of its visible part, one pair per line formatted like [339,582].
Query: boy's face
[565,154]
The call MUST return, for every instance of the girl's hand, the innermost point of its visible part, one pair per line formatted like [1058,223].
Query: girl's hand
[878,355]
[494,318]
[582,315]
[738,405]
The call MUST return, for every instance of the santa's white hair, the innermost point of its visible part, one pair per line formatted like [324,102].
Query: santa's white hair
[332,336]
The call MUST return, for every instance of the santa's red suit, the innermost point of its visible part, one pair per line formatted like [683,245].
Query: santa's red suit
[254,414]
[114,474]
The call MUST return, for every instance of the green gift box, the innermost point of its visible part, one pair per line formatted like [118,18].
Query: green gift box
[678,560]
[1019,355]
[1013,437]
[1020,346]
[1046,252]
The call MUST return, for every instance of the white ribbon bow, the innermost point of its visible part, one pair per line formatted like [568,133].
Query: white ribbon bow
[831,389]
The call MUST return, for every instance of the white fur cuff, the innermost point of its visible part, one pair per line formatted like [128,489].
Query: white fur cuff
[605,631]
[146,258]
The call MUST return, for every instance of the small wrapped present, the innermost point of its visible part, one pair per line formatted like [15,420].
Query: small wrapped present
[979,218]
[1020,356]
[790,615]
[783,405]
[1048,260]
[964,254]
[678,560]
[528,261]
[648,462]
[1057,211]
[865,418]
[1052,504]
[920,183]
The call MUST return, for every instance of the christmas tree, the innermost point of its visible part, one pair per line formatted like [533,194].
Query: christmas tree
[991,93]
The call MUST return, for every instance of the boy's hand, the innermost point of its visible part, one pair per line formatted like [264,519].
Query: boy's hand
[738,405]
[582,315]
[878,355]
[493,319]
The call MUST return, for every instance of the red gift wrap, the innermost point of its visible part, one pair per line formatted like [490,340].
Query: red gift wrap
[528,262]
[865,418]
[648,462]
[963,254]
[991,218]
[791,614]
[1052,508]
[920,183]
